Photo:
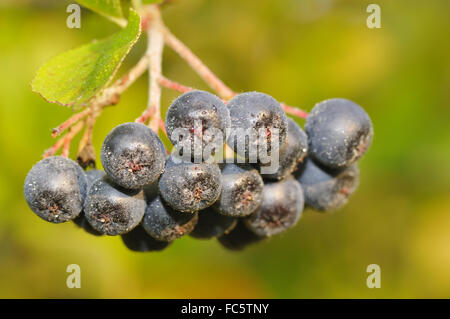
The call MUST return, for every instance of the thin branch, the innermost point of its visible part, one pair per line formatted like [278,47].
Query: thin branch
[144,116]
[90,122]
[155,50]
[172,85]
[165,82]
[215,83]
[197,65]
[69,122]
[64,141]
[295,111]
[169,84]
[109,96]
[152,60]
[69,137]
[208,76]
[128,79]
[55,147]
[162,126]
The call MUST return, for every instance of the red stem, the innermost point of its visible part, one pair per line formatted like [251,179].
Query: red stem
[69,122]
[294,111]
[162,126]
[64,141]
[165,82]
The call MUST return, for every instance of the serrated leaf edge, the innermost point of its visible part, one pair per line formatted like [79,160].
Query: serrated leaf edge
[107,82]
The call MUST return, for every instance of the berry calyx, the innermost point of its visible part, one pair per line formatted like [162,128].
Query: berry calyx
[280,210]
[132,155]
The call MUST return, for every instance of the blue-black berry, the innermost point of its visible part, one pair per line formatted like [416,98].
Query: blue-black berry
[189,187]
[325,189]
[239,237]
[339,133]
[291,153]
[82,222]
[55,189]
[242,188]
[211,224]
[113,210]
[132,155]
[91,176]
[138,240]
[258,113]
[162,222]
[196,124]
[280,210]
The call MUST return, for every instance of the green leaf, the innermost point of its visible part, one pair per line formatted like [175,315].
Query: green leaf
[74,77]
[111,8]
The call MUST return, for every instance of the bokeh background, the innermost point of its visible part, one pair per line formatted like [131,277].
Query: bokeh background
[300,52]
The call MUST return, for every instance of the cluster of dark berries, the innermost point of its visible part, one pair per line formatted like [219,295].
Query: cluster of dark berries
[151,199]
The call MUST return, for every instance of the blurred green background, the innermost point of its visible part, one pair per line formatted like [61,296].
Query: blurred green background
[300,52]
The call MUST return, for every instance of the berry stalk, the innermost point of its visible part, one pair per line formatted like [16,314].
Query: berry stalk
[73,131]
[294,111]
[158,35]
[169,84]
[69,122]
[64,141]
[197,65]
[155,50]
[172,85]
[110,96]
